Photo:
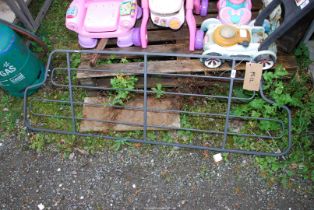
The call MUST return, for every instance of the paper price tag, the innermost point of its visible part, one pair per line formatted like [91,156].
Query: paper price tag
[233,73]
[253,76]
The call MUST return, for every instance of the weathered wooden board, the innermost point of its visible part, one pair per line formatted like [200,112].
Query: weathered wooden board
[169,66]
[212,13]
[121,117]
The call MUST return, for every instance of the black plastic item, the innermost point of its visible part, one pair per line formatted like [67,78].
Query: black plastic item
[292,14]
[290,40]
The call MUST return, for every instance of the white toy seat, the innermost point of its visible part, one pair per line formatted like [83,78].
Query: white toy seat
[165,6]
[102,16]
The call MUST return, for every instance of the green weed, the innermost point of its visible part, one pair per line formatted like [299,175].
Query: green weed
[158,90]
[299,96]
[303,56]
[123,85]
[118,144]
[10,114]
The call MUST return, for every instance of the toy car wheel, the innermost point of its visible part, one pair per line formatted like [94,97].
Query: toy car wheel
[266,60]
[86,42]
[199,39]
[204,7]
[212,63]
[136,37]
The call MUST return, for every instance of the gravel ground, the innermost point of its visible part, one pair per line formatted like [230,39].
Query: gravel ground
[149,178]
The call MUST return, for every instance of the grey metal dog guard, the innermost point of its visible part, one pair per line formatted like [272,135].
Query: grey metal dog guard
[226,135]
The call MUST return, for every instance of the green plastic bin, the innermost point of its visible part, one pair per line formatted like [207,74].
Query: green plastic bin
[19,67]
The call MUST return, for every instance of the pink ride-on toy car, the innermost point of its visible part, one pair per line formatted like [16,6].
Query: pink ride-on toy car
[95,19]
[171,14]
[234,11]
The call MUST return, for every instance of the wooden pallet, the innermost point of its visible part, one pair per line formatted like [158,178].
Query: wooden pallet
[163,40]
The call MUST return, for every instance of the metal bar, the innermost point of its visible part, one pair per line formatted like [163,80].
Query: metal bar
[145,98]
[41,14]
[20,15]
[152,109]
[27,13]
[24,15]
[202,114]
[289,129]
[161,111]
[71,93]
[309,32]
[152,73]
[233,72]
[150,54]
[152,92]
[161,127]
[187,146]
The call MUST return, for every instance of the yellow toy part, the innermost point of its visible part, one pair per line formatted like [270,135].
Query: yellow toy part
[228,35]
[174,24]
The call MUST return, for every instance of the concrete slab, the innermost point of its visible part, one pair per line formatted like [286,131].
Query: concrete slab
[6,13]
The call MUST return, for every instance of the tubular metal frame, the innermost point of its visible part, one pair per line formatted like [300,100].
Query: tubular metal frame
[19,7]
[285,125]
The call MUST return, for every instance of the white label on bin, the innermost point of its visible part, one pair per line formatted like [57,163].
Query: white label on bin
[7,69]
[17,78]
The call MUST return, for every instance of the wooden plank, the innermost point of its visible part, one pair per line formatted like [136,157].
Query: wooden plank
[257,5]
[166,82]
[101,46]
[212,5]
[171,66]
[199,19]
[152,82]
[121,117]
[159,36]
[166,48]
